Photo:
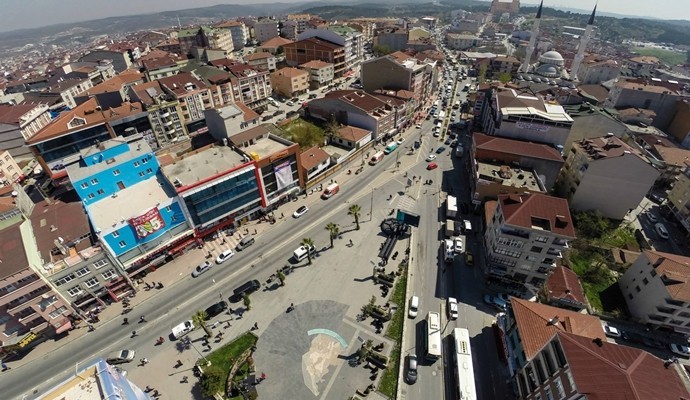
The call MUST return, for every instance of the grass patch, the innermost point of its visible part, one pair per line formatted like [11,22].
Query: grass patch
[665,56]
[618,238]
[305,133]
[221,358]
[594,274]
[389,380]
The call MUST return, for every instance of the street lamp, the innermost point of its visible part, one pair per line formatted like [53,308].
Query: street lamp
[371,206]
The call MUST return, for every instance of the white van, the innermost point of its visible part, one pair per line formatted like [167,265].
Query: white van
[661,230]
[331,189]
[301,253]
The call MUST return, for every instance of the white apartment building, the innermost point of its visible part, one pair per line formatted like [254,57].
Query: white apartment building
[656,288]
[525,236]
[9,170]
[266,29]
[18,123]
[351,40]
[320,73]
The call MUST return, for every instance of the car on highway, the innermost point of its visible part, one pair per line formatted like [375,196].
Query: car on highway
[431,166]
[452,308]
[440,150]
[411,366]
[201,268]
[245,242]
[431,157]
[224,256]
[246,288]
[414,307]
[120,357]
[680,349]
[469,258]
[611,331]
[458,245]
[400,140]
[182,329]
[216,309]
[300,211]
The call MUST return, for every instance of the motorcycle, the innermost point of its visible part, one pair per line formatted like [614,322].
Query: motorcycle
[160,341]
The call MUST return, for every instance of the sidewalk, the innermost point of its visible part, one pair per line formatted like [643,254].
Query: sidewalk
[169,274]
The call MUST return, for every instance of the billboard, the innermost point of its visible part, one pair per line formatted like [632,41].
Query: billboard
[147,223]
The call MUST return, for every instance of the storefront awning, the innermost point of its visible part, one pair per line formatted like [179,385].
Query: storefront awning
[66,325]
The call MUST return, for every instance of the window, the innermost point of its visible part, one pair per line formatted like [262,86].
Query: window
[100,191]
[91,282]
[136,163]
[74,291]
[91,196]
[536,249]
[100,264]
[637,289]
[122,243]
[559,388]
[142,173]
[149,170]
[116,172]
[83,271]
[94,181]
[652,273]
[548,394]
[84,185]
[645,281]
[542,239]
[571,380]
[116,234]
[168,208]
[57,312]
[64,279]
[109,274]
[144,161]
[630,296]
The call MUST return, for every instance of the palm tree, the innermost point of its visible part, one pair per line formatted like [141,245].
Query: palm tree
[199,319]
[355,210]
[333,231]
[308,243]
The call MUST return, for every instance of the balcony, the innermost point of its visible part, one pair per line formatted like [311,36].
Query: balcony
[554,252]
[561,242]
[165,114]
[514,232]
[168,123]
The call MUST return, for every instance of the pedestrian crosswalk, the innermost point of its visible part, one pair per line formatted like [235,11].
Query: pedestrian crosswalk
[408,203]
[223,242]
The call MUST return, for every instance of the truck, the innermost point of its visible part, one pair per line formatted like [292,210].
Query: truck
[451,230]
[182,329]
[451,207]
[448,250]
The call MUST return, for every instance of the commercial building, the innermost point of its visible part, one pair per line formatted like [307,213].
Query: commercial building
[290,82]
[18,123]
[310,49]
[656,290]
[134,212]
[598,170]
[164,114]
[320,73]
[459,41]
[525,236]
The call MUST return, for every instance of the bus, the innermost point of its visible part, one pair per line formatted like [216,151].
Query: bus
[463,370]
[376,158]
[433,336]
[390,148]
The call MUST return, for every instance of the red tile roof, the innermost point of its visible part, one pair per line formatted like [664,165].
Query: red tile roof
[60,126]
[538,211]
[258,56]
[510,146]
[353,133]
[357,98]
[537,323]
[315,64]
[275,42]
[12,252]
[177,83]
[11,114]
[313,157]
[564,284]
[607,371]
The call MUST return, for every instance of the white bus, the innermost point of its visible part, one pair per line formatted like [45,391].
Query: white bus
[463,370]
[433,336]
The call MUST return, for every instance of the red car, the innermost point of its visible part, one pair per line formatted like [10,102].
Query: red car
[431,166]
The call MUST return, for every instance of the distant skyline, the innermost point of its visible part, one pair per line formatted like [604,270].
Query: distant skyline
[38,13]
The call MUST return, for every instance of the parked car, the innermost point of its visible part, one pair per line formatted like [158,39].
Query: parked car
[246,288]
[458,245]
[495,302]
[312,96]
[652,218]
[452,308]
[431,166]
[440,150]
[680,349]
[431,157]
[244,243]
[400,140]
[611,331]
[414,306]
[290,103]
[469,258]
[201,268]
[224,256]
[120,357]
[216,309]
[411,375]
[300,211]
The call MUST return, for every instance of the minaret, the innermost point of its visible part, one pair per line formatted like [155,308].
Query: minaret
[583,45]
[532,40]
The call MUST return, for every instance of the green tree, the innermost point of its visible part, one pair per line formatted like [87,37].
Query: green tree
[247,302]
[331,128]
[212,381]
[482,74]
[591,224]
[199,319]
[333,231]
[381,50]
[308,243]
[281,277]
[505,77]
[355,210]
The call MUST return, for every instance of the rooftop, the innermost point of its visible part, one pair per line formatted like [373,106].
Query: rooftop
[312,157]
[675,272]
[538,323]
[644,87]
[315,42]
[538,211]
[290,72]
[140,198]
[116,83]
[202,165]
[267,145]
[510,146]
[65,223]
[136,146]
[148,91]
[12,252]
[357,98]
[86,112]
[258,56]
[275,42]
[315,64]
[509,176]
[12,114]
[181,84]
[605,147]
[352,133]
[564,284]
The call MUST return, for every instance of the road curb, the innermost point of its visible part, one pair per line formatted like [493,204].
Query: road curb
[399,395]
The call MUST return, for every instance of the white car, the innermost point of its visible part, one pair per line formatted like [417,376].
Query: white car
[290,103]
[458,245]
[201,268]
[414,307]
[224,256]
[452,308]
[431,157]
[300,211]
[418,126]
[400,140]
[611,331]
[680,349]
[182,329]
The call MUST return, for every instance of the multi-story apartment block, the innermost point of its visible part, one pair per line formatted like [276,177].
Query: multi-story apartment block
[290,82]
[590,122]
[238,33]
[356,108]
[501,65]
[30,310]
[18,123]
[288,29]
[679,197]
[342,35]
[205,36]
[121,59]
[596,69]
[525,236]
[261,60]
[249,85]
[679,127]
[398,71]
[514,115]
[194,97]
[320,73]
[310,49]
[656,96]
[114,91]
[266,29]
[96,72]
[670,159]
[598,170]
[164,114]
[301,21]
[394,39]
[9,170]
[655,287]
[159,64]
[226,121]
[461,41]
[68,89]
[134,212]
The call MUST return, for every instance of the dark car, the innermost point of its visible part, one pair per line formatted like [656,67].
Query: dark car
[278,112]
[266,117]
[312,96]
[216,309]
[448,141]
[246,288]
[411,364]
[440,150]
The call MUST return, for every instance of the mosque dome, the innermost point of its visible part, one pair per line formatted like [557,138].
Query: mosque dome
[547,70]
[552,57]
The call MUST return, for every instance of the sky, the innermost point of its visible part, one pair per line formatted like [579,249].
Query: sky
[18,14]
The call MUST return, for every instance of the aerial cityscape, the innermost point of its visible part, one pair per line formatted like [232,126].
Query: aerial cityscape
[451,200]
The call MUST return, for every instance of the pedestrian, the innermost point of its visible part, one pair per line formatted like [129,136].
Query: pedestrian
[148,389]
[184,379]
[179,364]
[255,231]
[256,325]
[263,376]
[4,366]
[351,244]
